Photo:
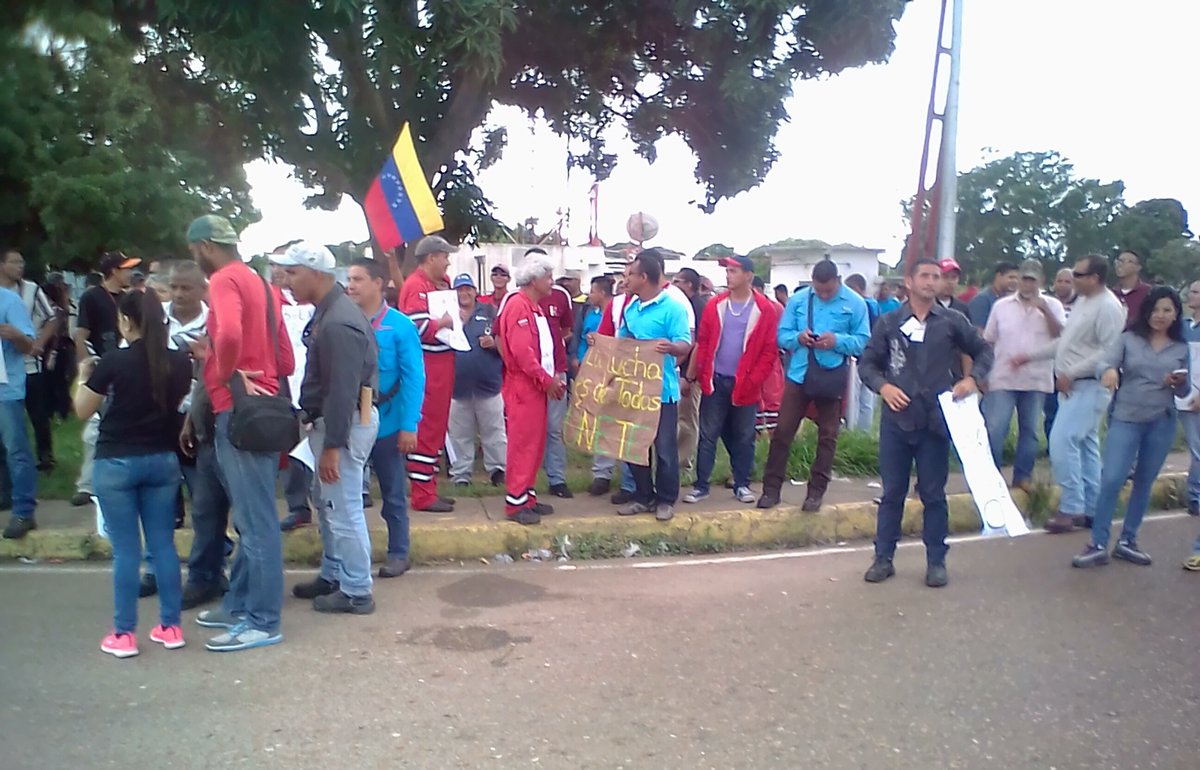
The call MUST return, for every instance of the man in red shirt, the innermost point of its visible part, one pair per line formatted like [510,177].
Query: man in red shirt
[240,338]
[499,287]
[529,351]
[433,259]
[1130,288]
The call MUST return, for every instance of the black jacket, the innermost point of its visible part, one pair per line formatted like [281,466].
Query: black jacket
[342,358]
[923,370]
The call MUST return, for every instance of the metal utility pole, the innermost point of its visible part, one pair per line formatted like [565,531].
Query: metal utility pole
[948,171]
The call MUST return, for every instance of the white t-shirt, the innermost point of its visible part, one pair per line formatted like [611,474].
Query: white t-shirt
[41,312]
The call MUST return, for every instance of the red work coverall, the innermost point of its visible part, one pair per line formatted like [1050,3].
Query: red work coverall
[524,391]
[439,386]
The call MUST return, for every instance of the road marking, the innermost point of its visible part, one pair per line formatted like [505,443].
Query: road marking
[610,564]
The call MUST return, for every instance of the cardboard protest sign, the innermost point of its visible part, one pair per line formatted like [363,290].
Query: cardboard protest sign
[616,400]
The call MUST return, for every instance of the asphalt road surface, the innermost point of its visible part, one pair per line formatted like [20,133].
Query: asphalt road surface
[784,660]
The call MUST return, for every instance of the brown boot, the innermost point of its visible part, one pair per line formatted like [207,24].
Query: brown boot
[1062,523]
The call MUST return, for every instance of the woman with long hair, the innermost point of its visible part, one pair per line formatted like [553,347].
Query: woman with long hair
[1147,367]
[136,470]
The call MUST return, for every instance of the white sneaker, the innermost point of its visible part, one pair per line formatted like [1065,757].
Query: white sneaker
[695,496]
[744,495]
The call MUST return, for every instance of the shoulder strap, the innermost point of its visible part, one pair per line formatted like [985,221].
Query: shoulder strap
[812,355]
[271,325]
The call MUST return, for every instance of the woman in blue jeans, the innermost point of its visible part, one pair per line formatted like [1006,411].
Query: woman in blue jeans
[1147,368]
[136,469]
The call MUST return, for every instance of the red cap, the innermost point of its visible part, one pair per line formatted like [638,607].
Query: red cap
[949,264]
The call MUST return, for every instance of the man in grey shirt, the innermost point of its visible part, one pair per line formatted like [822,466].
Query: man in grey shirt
[1097,320]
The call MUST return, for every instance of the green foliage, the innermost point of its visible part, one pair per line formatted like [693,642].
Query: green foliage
[715,251]
[326,86]
[91,158]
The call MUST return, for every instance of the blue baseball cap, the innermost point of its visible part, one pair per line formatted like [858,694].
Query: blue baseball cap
[463,279]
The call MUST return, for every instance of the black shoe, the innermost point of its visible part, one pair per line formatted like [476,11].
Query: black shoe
[368,502]
[769,499]
[438,506]
[1127,550]
[18,528]
[148,586]
[541,509]
[311,590]
[561,490]
[46,464]
[81,498]
[935,576]
[497,478]
[6,504]
[525,516]
[195,595]
[394,568]
[339,602]
[812,504]
[294,521]
[599,487]
[1092,556]
[447,500]
[880,570]
[621,497]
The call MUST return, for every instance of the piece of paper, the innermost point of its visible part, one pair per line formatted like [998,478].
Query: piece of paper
[446,303]
[1185,404]
[988,488]
[295,318]
[303,453]
[913,329]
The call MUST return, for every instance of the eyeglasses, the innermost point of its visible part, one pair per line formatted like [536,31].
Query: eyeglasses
[1081,275]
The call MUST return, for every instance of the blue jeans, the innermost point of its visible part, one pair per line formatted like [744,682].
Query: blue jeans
[388,463]
[554,460]
[997,414]
[1142,447]
[210,520]
[720,419]
[898,450]
[864,418]
[1191,431]
[346,559]
[1051,411]
[1075,445]
[18,458]
[256,577]
[141,488]
[662,486]
[297,487]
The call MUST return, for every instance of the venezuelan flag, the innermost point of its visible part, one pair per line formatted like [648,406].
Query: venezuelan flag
[400,206]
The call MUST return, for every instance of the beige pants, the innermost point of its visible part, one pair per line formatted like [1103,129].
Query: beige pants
[689,429]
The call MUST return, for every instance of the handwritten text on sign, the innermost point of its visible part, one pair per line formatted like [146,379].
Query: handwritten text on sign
[616,400]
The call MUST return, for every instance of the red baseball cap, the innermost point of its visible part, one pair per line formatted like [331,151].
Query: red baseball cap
[949,264]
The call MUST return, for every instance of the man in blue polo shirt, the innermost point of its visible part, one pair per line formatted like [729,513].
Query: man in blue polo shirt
[652,315]
[16,339]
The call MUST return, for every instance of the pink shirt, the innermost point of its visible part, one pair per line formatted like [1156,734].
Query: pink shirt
[1015,327]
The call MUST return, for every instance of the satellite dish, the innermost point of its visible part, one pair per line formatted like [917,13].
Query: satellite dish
[641,227]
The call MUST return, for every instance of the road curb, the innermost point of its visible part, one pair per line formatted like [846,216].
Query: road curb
[604,536]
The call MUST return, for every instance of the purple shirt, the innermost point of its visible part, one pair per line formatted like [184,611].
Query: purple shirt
[733,338]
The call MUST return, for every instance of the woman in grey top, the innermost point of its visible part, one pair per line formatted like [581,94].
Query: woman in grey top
[1147,367]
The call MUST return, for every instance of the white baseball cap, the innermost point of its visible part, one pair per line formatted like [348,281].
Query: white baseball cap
[314,256]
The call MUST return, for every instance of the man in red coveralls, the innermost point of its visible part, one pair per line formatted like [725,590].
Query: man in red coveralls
[527,347]
[433,259]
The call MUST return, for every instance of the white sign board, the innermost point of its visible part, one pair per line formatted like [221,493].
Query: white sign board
[446,303]
[295,318]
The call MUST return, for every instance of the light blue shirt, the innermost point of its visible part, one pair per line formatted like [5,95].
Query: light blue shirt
[401,372]
[662,318]
[13,312]
[1191,330]
[845,314]
[591,322]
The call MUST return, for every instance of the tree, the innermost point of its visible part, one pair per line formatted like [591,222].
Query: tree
[90,160]
[715,251]
[326,86]
[1148,228]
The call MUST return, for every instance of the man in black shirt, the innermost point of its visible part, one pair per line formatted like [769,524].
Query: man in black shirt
[477,407]
[916,354]
[96,333]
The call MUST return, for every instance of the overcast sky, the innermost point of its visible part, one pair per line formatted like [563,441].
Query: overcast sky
[1108,83]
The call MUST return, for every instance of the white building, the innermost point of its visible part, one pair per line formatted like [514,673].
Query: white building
[792,265]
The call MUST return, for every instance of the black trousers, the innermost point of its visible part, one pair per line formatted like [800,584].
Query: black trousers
[39,406]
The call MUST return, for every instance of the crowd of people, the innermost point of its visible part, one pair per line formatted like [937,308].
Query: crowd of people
[183,383]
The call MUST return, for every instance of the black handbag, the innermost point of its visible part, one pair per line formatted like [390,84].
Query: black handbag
[821,383]
[263,423]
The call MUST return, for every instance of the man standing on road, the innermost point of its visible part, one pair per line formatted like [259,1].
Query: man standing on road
[560,314]
[1131,290]
[500,280]
[240,309]
[477,408]
[528,349]
[823,326]
[687,281]
[1025,321]
[433,258]
[17,340]
[96,333]
[651,315]
[1004,282]
[401,391]
[45,326]
[1189,408]
[916,354]
[1096,323]
[735,352]
[340,380]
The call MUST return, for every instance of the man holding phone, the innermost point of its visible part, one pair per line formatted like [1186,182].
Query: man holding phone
[477,407]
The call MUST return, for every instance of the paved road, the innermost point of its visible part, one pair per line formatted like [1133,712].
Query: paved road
[773,661]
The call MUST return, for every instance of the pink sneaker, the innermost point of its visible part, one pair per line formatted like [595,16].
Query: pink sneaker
[170,637]
[120,645]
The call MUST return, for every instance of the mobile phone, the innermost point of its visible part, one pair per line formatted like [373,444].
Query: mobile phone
[1180,371]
